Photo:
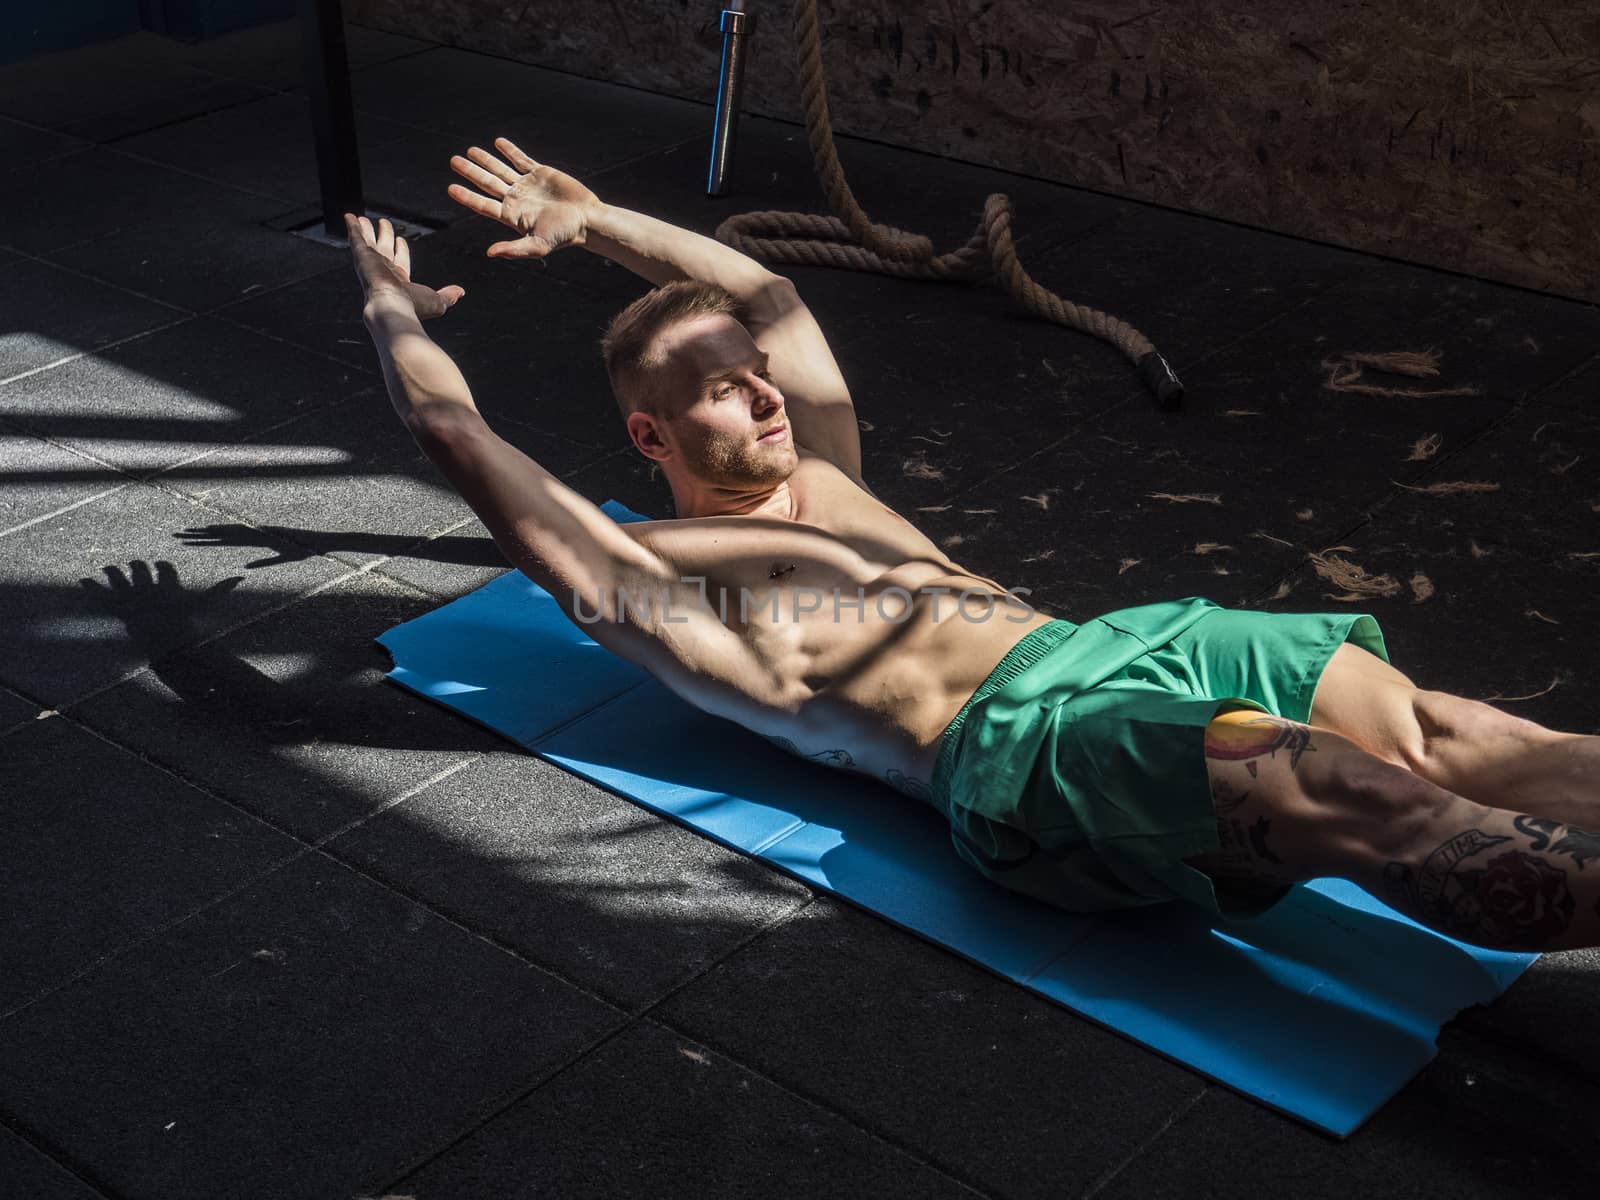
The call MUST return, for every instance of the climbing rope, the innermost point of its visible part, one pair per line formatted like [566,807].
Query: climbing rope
[851,239]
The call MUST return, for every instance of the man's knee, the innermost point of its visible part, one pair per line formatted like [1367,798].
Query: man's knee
[1452,734]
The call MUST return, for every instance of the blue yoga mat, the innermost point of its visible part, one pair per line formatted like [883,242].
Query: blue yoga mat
[1322,1009]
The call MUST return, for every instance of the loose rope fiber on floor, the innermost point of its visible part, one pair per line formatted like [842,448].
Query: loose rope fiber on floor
[852,240]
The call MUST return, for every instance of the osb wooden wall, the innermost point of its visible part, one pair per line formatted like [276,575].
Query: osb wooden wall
[1461,133]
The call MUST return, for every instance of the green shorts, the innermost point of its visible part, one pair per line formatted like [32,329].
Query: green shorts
[1076,773]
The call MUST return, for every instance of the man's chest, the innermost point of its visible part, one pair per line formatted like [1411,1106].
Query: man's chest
[838,534]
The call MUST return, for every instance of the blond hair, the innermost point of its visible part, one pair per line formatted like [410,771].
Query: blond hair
[629,343]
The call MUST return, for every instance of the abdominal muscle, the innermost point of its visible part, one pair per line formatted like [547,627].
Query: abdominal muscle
[885,664]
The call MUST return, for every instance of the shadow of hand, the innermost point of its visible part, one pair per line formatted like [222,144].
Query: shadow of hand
[276,538]
[295,545]
[156,609]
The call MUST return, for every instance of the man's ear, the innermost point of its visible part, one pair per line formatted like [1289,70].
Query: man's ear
[645,431]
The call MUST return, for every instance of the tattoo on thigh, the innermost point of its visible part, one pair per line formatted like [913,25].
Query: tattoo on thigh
[1579,843]
[1258,840]
[1225,797]
[1257,737]
[1401,883]
[1514,898]
[1243,851]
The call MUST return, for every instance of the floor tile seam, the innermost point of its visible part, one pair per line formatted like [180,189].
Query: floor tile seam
[1256,330]
[226,77]
[250,439]
[53,158]
[64,510]
[1038,248]
[1073,430]
[490,1111]
[205,79]
[94,351]
[444,914]
[42,1145]
[49,159]
[262,92]
[859,1123]
[152,479]
[400,128]
[542,69]
[1177,1114]
[219,311]
[1579,368]
[302,849]
[600,450]
[17,1008]
[633,1019]
[129,477]
[1398,491]
[652,1012]
[255,193]
[33,126]
[986,280]
[220,315]
[44,257]
[596,173]
[405,552]
[258,290]
[348,24]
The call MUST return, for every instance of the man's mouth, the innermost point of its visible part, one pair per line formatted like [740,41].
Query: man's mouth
[772,435]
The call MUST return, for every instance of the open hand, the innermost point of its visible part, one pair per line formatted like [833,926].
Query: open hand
[383,264]
[156,609]
[549,208]
[276,539]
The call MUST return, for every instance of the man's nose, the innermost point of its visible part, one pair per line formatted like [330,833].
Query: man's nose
[766,394]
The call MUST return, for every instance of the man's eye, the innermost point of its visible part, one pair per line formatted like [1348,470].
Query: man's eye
[723,392]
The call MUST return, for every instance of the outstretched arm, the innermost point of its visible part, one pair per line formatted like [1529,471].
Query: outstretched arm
[550,209]
[545,529]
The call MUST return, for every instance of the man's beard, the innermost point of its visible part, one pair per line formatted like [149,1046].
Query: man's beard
[734,463]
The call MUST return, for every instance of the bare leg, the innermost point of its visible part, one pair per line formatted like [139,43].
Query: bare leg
[1474,749]
[1465,746]
[1297,802]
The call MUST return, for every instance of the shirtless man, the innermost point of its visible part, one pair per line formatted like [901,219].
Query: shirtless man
[1168,751]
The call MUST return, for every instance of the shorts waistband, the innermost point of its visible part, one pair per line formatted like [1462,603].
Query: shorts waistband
[1033,648]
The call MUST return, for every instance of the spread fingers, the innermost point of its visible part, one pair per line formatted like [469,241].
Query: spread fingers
[519,160]
[473,173]
[481,205]
[493,165]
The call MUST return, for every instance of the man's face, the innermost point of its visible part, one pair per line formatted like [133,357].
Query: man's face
[724,419]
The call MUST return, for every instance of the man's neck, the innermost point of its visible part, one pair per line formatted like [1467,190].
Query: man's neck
[777,501]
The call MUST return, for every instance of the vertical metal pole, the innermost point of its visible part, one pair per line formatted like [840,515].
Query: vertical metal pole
[333,118]
[736,25]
